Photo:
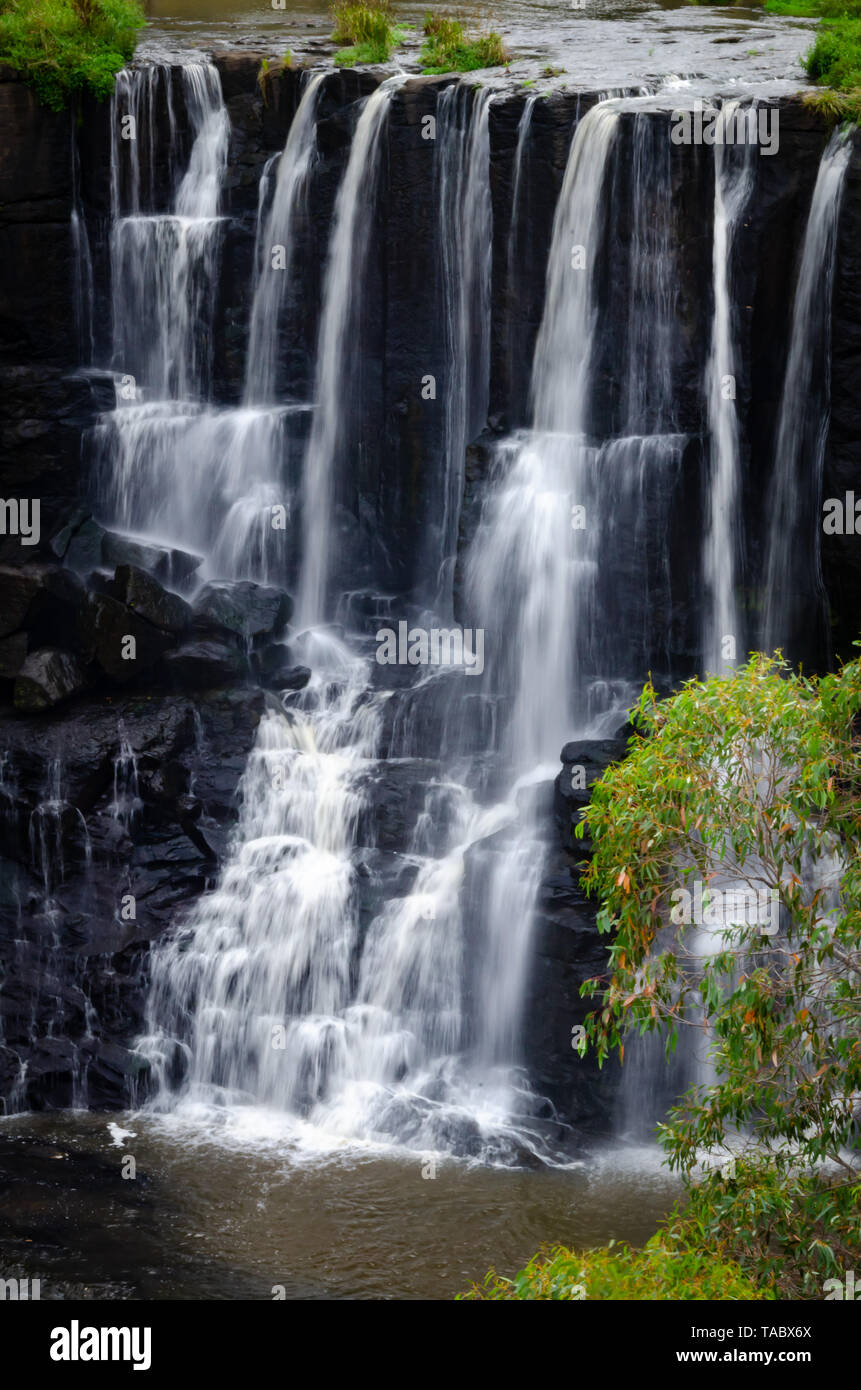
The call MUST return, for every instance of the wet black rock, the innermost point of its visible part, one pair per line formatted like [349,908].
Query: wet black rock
[84,545]
[242,607]
[18,590]
[583,763]
[139,591]
[105,791]
[84,550]
[287,677]
[13,650]
[124,645]
[204,665]
[166,562]
[46,678]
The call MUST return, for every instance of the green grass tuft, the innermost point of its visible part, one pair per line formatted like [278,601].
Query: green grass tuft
[63,47]
[448,49]
[368,31]
[616,1272]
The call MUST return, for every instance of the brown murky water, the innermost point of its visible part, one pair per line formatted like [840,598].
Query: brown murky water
[205,1218]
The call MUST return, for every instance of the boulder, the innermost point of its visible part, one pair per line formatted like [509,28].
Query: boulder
[287,677]
[168,564]
[84,550]
[247,609]
[62,539]
[139,591]
[18,589]
[106,627]
[204,665]
[276,671]
[47,677]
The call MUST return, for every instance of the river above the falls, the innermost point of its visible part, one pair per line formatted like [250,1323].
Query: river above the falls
[209,1218]
[590,44]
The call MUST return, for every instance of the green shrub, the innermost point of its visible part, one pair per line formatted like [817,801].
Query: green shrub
[367,28]
[834,60]
[835,57]
[761,769]
[448,49]
[61,47]
[659,1271]
[813,9]
[789,1230]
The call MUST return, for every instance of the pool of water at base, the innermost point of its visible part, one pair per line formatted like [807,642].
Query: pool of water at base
[206,1216]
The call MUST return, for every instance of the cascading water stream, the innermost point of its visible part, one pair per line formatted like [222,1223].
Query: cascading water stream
[793,585]
[347,255]
[164,266]
[82,265]
[326,985]
[466,242]
[273,992]
[734,181]
[275,248]
[178,470]
[562,515]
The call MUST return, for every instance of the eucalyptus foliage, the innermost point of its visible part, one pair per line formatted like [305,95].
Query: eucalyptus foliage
[756,776]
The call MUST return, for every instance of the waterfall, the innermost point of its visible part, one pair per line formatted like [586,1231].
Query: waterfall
[466,244]
[347,981]
[167,464]
[164,266]
[734,180]
[530,576]
[523,129]
[82,264]
[278,230]
[566,521]
[267,1000]
[280,990]
[793,583]
[348,251]
[648,389]
[563,353]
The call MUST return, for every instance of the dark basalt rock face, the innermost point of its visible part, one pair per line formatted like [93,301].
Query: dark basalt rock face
[102,852]
[84,824]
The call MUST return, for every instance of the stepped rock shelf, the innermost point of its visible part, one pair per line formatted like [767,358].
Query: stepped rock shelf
[122,802]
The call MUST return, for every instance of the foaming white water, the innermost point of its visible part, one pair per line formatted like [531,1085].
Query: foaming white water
[734,181]
[277,1001]
[530,576]
[223,483]
[164,266]
[235,968]
[203,479]
[793,588]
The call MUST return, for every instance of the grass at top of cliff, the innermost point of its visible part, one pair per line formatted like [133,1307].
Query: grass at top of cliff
[447,48]
[834,60]
[618,1272]
[61,47]
[368,29]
